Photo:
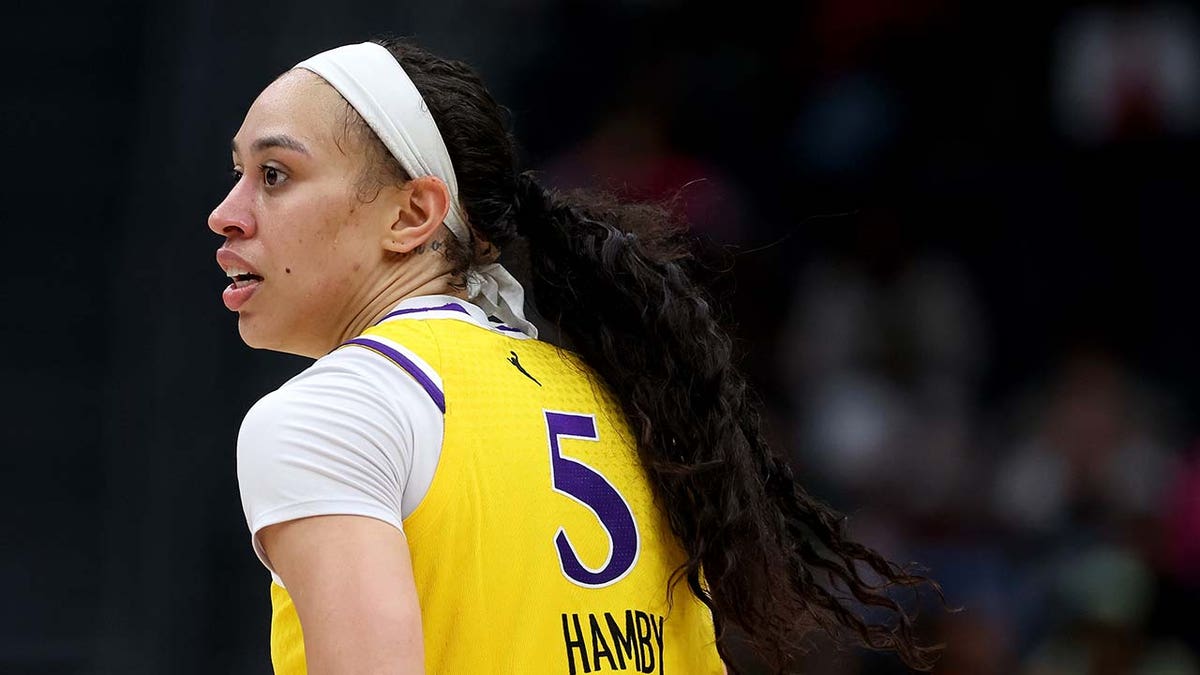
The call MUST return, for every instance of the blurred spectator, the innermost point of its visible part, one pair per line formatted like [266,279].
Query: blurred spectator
[1182,527]
[1092,456]
[632,154]
[883,349]
[980,645]
[1128,73]
[845,127]
[1102,599]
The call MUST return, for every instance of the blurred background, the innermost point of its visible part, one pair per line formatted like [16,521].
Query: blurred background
[963,270]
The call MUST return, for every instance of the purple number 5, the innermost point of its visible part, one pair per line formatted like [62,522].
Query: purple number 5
[584,484]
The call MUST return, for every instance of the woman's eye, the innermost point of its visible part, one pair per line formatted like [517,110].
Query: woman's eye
[235,174]
[272,176]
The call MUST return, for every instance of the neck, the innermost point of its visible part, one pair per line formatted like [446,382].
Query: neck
[390,296]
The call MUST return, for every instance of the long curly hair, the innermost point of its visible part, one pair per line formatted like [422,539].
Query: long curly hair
[762,554]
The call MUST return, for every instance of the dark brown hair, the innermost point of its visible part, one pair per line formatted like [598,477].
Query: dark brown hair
[766,557]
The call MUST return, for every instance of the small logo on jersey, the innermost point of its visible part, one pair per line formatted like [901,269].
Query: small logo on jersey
[516,361]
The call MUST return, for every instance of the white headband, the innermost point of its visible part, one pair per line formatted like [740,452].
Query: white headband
[374,83]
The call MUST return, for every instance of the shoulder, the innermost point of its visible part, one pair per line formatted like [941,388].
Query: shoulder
[404,349]
[335,383]
[351,401]
[342,437]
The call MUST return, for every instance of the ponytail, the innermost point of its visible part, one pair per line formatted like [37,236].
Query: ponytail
[767,559]
[764,556]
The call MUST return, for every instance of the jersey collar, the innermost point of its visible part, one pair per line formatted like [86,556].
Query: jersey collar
[447,307]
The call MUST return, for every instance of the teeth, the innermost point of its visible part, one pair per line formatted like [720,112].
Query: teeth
[234,271]
[242,283]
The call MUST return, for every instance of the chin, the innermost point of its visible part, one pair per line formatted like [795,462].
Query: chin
[256,335]
[250,328]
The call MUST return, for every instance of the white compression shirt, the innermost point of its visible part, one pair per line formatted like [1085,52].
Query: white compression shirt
[353,434]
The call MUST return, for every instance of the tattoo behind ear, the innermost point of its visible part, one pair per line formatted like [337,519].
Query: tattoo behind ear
[435,246]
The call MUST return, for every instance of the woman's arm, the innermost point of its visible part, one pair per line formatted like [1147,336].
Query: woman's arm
[351,580]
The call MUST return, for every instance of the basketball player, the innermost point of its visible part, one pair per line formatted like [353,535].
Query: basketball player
[442,492]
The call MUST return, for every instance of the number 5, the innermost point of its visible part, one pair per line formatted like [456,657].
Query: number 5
[587,486]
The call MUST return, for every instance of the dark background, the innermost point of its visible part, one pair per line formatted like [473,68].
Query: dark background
[963,251]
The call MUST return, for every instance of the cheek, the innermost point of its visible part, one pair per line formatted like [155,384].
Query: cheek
[316,242]
[334,267]
[323,240]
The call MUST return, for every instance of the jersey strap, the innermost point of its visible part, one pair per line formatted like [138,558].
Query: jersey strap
[408,361]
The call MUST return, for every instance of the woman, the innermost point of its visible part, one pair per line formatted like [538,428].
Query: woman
[442,491]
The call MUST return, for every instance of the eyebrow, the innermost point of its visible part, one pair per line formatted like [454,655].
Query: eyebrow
[275,141]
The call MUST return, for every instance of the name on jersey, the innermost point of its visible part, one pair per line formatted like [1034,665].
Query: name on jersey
[604,642]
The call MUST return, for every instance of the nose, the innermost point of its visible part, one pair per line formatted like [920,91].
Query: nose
[233,217]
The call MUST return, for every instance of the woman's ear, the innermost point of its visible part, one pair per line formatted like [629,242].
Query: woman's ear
[420,209]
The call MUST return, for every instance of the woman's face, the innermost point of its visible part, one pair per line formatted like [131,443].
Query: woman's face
[293,220]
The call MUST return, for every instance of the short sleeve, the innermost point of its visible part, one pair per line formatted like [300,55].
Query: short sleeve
[338,439]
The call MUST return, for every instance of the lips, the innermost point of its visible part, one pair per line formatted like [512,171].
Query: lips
[245,279]
[237,294]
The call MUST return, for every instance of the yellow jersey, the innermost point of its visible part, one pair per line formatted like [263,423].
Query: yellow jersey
[538,547]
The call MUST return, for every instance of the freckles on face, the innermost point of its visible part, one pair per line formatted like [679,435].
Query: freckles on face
[332,258]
